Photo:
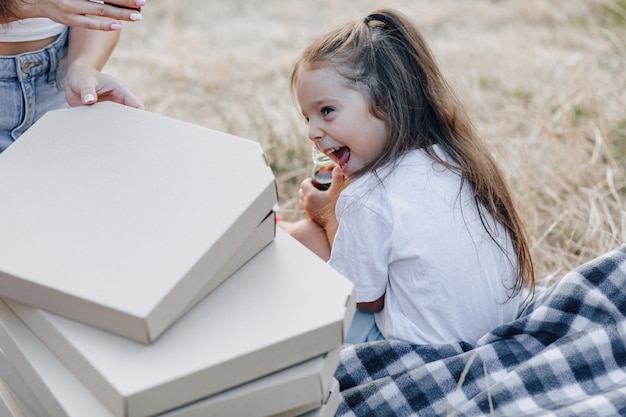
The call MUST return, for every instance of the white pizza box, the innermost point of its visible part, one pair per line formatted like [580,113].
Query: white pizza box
[118,217]
[10,406]
[46,377]
[64,395]
[294,388]
[254,243]
[327,409]
[282,307]
[16,398]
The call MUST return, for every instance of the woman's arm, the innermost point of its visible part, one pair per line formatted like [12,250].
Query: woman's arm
[88,51]
[90,47]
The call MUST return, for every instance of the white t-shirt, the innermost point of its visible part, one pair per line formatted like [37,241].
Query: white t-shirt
[419,240]
[30,30]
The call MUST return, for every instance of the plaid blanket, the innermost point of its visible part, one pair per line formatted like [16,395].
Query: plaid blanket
[564,356]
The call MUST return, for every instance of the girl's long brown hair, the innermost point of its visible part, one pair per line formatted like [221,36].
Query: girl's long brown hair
[387,59]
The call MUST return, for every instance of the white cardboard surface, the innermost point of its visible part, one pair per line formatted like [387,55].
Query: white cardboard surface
[13,386]
[119,217]
[327,409]
[260,238]
[38,366]
[281,308]
[294,388]
[10,405]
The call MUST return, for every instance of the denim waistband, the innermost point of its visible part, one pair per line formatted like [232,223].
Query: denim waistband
[24,66]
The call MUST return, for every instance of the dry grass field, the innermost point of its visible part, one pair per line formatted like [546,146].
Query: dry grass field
[544,82]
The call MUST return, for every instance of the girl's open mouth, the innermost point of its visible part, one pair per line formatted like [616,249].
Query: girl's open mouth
[341,155]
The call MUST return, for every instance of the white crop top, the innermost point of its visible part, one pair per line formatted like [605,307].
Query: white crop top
[30,30]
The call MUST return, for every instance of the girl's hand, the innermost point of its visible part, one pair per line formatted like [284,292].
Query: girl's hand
[87,85]
[317,204]
[89,14]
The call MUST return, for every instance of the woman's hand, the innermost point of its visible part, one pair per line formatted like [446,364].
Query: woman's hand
[87,53]
[89,14]
[86,85]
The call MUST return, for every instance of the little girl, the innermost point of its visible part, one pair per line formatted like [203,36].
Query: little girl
[423,223]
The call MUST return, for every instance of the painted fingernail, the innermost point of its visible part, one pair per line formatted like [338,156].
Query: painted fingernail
[88,98]
[135,16]
[115,26]
[140,3]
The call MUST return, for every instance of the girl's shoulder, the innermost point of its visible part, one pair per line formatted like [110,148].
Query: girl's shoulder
[412,168]
[423,156]
[416,162]
[421,161]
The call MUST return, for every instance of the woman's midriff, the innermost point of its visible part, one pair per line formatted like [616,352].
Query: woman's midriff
[16,48]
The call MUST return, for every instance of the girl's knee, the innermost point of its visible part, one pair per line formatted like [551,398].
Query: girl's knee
[300,229]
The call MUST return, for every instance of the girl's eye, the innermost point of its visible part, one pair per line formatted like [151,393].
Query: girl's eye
[327,110]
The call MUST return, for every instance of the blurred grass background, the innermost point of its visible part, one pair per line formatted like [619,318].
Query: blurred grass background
[544,82]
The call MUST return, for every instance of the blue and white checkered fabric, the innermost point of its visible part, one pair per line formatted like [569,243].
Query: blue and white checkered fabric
[564,356]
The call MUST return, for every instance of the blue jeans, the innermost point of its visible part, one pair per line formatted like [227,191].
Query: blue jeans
[363,329]
[30,85]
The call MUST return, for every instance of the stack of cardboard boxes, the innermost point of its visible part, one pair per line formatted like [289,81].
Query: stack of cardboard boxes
[142,274]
